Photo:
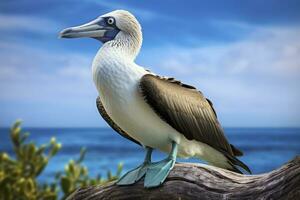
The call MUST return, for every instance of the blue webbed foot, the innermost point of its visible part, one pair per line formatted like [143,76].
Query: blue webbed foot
[136,174]
[158,172]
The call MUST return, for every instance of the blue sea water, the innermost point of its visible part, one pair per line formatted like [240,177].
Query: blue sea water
[264,149]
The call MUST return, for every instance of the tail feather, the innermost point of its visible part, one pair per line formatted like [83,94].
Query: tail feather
[236,151]
[233,161]
[234,168]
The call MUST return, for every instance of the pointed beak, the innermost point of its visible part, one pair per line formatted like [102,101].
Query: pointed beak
[93,29]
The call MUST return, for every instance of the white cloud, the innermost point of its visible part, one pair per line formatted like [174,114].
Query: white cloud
[269,51]
[46,88]
[37,74]
[10,22]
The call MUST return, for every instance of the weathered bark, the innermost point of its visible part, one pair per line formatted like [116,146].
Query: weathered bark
[198,181]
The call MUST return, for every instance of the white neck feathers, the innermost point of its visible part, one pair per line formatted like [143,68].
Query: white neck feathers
[128,45]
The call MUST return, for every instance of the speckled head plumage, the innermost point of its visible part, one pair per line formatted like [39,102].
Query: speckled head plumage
[118,28]
[114,25]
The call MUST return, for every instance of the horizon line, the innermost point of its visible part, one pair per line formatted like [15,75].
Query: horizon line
[106,127]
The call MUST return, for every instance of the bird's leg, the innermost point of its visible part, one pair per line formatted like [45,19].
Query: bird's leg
[136,174]
[157,172]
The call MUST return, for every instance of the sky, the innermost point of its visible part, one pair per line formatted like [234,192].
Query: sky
[243,55]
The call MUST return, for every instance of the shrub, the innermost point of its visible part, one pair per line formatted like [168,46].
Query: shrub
[19,173]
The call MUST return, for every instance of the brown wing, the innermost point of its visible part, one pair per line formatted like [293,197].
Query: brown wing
[186,110]
[111,123]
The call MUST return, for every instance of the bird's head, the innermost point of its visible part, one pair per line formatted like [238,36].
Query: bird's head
[111,26]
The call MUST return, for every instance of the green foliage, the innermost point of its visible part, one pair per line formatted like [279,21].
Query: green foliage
[76,175]
[18,174]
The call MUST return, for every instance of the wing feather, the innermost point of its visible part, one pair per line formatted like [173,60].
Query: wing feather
[186,110]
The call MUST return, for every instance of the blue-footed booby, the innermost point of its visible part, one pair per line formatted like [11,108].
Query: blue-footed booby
[153,111]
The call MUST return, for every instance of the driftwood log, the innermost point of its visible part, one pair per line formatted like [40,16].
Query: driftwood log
[199,181]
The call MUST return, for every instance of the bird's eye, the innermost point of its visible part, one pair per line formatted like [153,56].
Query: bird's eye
[110,21]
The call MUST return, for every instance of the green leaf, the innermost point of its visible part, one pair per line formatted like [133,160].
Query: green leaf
[65,184]
[82,155]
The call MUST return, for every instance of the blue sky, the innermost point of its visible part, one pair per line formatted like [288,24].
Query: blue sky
[243,55]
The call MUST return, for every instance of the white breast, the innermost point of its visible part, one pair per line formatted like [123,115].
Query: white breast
[117,81]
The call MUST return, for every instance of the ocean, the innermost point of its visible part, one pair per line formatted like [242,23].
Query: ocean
[265,149]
